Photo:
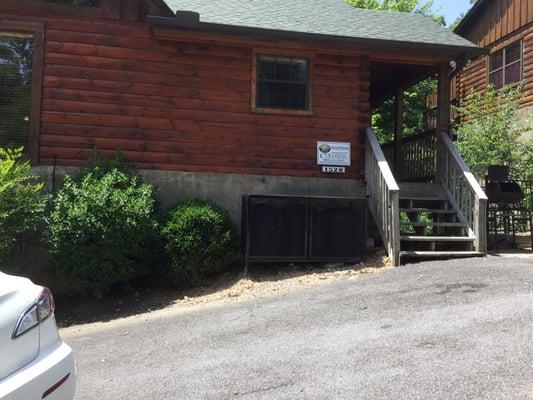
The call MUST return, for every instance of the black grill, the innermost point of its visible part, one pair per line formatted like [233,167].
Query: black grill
[500,189]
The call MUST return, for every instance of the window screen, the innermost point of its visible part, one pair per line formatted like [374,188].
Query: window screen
[505,66]
[16,58]
[282,82]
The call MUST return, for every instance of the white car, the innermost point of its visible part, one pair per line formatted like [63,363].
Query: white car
[34,362]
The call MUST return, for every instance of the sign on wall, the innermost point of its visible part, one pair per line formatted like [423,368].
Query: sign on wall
[333,153]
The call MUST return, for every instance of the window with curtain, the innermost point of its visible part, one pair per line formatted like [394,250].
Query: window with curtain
[282,82]
[505,66]
[16,59]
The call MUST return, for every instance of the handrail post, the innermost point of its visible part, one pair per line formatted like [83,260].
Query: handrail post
[383,194]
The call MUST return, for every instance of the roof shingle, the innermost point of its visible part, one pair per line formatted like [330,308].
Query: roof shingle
[323,17]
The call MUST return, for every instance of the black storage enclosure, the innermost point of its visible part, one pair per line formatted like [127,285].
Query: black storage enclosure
[303,229]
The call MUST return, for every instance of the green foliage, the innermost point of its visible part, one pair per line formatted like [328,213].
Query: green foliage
[22,201]
[399,6]
[415,112]
[102,228]
[490,133]
[415,97]
[200,241]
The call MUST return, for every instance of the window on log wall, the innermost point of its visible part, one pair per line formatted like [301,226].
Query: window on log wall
[282,83]
[505,66]
[16,66]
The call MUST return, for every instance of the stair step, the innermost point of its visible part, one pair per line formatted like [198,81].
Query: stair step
[444,224]
[437,254]
[423,197]
[437,239]
[427,210]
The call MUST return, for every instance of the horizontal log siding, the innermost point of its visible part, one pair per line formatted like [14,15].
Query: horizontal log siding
[475,76]
[186,106]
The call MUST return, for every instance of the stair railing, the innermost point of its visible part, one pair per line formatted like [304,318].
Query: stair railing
[383,196]
[418,157]
[463,190]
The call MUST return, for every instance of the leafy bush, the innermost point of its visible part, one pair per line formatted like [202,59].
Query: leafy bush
[200,241]
[490,133]
[102,228]
[22,201]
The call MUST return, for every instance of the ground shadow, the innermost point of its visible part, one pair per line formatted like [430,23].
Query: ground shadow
[145,296]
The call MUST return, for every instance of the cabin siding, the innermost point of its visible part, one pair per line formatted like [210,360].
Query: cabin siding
[497,20]
[497,24]
[475,76]
[185,106]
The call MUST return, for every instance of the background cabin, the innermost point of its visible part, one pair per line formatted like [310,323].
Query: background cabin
[506,28]
[229,98]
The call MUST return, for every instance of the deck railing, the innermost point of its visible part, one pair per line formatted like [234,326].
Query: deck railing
[383,196]
[463,190]
[418,157]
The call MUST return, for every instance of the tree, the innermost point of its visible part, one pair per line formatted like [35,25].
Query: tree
[415,97]
[458,20]
[22,204]
[489,132]
[415,6]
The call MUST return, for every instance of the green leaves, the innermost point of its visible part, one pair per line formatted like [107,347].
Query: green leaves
[200,240]
[490,132]
[424,8]
[22,200]
[102,228]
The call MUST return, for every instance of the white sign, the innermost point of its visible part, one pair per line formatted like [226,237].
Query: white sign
[333,153]
[334,170]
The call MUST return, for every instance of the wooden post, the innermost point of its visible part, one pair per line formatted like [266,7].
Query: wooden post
[443,100]
[398,131]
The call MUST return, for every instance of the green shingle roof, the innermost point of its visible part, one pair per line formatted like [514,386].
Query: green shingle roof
[322,17]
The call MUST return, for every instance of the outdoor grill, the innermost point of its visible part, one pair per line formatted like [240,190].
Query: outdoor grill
[508,212]
[500,189]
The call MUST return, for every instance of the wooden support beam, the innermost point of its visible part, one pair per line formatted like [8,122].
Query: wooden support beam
[398,129]
[443,100]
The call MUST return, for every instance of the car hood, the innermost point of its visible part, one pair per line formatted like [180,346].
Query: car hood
[16,295]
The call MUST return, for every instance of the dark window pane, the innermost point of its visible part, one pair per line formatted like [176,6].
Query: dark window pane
[282,95]
[282,82]
[496,60]
[513,52]
[91,3]
[513,72]
[16,57]
[496,78]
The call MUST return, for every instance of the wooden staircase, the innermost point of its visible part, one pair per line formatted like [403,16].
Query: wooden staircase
[443,216]
[430,226]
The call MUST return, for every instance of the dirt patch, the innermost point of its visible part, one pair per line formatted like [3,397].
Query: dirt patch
[263,281]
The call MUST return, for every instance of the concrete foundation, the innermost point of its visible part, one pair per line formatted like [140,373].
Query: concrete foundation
[226,189]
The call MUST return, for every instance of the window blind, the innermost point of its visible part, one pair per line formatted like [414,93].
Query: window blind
[16,58]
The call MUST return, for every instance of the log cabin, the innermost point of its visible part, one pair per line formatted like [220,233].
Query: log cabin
[505,27]
[214,100]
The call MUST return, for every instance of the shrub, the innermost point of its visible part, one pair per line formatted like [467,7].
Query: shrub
[22,202]
[489,133]
[102,228]
[199,240]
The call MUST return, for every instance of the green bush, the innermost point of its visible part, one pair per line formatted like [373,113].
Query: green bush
[102,228]
[22,203]
[491,134]
[199,240]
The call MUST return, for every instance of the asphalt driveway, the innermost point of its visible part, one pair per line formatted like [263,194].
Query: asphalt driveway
[459,329]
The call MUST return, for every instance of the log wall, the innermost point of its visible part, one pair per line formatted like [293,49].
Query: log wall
[185,106]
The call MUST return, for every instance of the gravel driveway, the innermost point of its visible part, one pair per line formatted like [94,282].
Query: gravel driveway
[460,329]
